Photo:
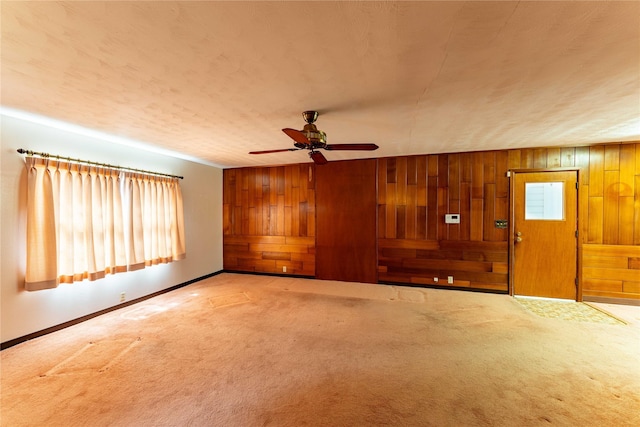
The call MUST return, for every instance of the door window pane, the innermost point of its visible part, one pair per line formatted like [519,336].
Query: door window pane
[544,200]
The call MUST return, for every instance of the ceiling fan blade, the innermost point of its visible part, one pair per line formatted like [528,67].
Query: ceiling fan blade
[296,135]
[274,151]
[318,158]
[361,147]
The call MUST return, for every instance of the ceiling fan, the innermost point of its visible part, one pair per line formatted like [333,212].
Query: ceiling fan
[312,139]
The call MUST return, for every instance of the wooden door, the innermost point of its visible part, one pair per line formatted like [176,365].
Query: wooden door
[545,234]
[346,209]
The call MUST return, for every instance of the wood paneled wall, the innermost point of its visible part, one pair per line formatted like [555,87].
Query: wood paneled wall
[275,206]
[611,271]
[415,192]
[269,219]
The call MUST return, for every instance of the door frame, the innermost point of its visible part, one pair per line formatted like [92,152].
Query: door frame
[579,221]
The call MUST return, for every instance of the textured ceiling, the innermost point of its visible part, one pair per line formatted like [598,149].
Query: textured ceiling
[216,80]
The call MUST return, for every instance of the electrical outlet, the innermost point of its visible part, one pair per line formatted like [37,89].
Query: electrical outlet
[284,268]
[123,297]
[450,279]
[435,280]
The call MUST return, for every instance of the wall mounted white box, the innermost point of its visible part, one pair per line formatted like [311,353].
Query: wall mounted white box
[452,218]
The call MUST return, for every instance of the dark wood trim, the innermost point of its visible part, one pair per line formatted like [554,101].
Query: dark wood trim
[64,325]
[444,287]
[607,300]
[567,169]
[260,273]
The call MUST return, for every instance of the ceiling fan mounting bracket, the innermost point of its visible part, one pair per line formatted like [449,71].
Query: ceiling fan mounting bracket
[310,116]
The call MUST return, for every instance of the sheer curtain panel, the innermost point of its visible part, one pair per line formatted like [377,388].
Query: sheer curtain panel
[84,222]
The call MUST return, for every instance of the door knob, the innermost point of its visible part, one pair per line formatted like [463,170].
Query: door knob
[518,238]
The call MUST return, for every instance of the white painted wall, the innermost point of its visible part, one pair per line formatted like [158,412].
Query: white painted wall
[27,312]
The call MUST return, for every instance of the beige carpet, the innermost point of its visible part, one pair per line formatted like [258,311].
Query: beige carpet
[240,350]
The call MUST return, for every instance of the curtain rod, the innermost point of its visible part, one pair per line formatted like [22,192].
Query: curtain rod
[89,162]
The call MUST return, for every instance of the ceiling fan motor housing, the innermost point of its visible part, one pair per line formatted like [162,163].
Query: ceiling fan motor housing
[315,136]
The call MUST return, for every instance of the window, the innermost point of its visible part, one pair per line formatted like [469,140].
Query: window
[84,222]
[544,201]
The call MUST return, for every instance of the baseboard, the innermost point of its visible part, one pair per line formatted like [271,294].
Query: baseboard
[447,288]
[607,300]
[258,273]
[51,329]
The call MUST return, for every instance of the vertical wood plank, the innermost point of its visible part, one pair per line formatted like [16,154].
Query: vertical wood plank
[514,157]
[596,213]
[401,221]
[421,181]
[626,194]
[554,159]
[382,221]
[273,220]
[288,185]
[488,213]
[502,182]
[583,201]
[401,181]
[303,219]
[627,169]
[582,162]
[287,221]
[501,210]
[625,225]
[412,177]
[527,158]
[489,163]
[567,157]
[539,157]
[306,174]
[311,176]
[454,177]
[411,218]
[453,230]
[295,202]
[476,232]
[610,218]
[612,157]
[273,186]
[432,207]
[311,213]
[382,181]
[390,232]
[443,170]
[477,176]
[443,208]
[466,168]
[391,170]
[465,211]
[421,222]
[280,180]
[636,209]
[226,219]
[280,213]
[596,171]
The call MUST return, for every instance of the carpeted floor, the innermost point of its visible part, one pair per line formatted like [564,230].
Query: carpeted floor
[241,350]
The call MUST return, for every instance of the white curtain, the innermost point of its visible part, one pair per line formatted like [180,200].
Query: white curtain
[85,222]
